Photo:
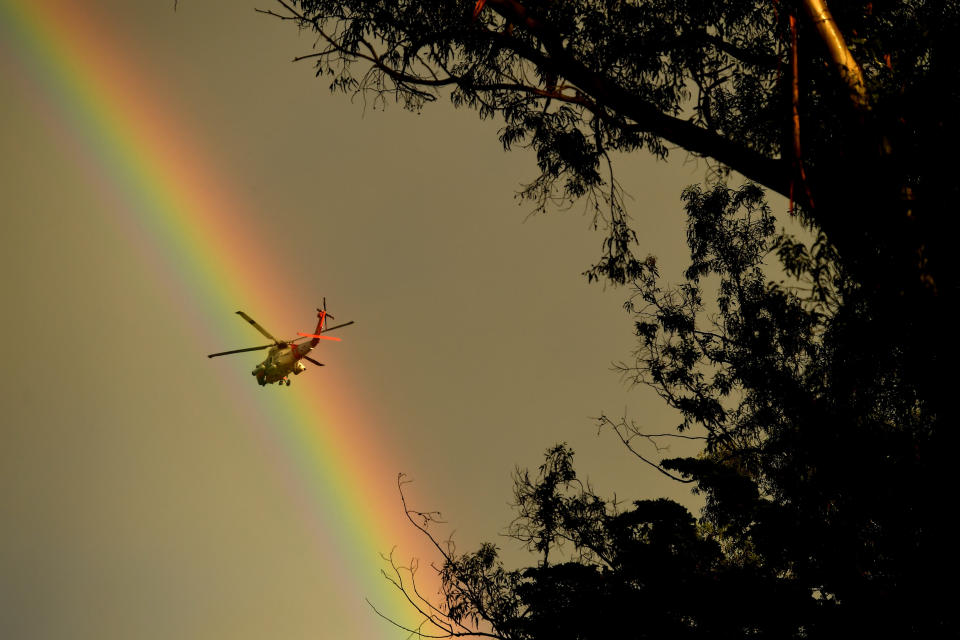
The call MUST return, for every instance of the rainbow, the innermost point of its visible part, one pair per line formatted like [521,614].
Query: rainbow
[178,209]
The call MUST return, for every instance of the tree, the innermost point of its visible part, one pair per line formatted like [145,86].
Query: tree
[577,79]
[829,424]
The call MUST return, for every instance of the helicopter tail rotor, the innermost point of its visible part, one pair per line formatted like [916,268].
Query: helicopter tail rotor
[323,311]
[321,328]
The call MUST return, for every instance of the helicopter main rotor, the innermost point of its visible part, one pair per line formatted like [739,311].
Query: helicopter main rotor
[226,353]
[280,343]
[258,327]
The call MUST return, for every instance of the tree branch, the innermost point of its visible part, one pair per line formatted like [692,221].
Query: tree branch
[626,440]
[769,172]
[846,64]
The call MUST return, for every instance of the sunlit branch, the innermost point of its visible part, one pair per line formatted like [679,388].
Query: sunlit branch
[844,61]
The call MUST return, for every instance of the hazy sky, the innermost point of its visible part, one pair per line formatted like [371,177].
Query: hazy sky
[142,492]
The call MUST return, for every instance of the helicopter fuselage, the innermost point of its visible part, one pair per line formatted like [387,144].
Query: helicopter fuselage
[281,362]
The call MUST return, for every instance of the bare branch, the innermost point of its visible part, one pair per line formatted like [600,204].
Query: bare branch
[623,431]
[433,616]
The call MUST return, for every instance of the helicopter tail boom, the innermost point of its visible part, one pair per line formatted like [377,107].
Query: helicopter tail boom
[321,318]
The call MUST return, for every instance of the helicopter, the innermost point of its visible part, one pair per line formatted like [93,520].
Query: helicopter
[284,357]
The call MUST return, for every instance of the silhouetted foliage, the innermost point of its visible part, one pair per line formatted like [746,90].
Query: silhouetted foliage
[823,400]
[578,79]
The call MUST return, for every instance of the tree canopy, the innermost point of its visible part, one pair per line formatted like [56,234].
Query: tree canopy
[828,418]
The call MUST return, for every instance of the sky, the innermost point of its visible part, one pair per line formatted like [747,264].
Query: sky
[162,169]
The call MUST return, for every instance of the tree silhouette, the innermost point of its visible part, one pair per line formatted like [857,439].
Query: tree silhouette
[828,418]
[578,79]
